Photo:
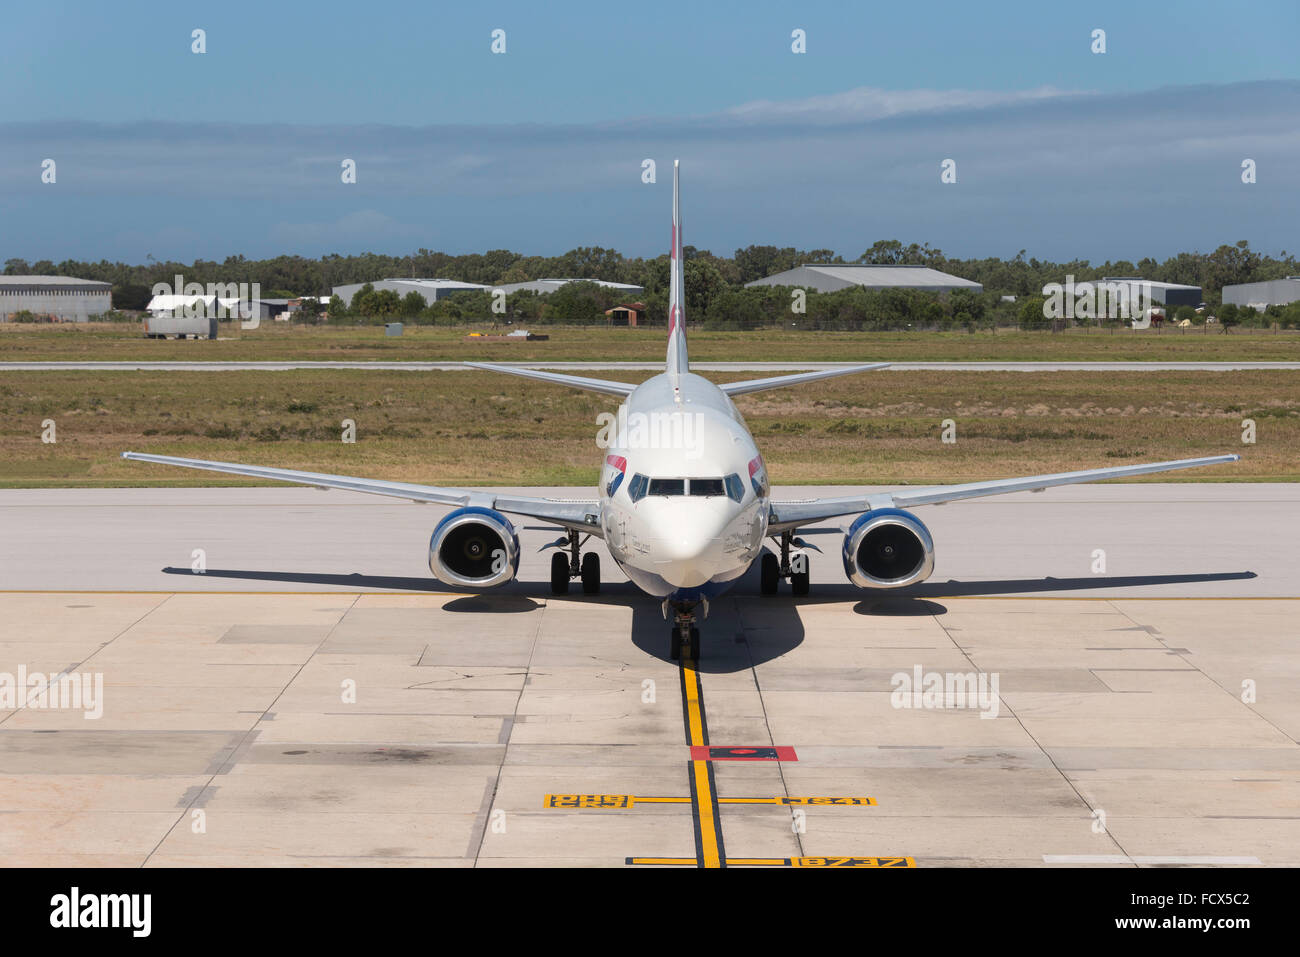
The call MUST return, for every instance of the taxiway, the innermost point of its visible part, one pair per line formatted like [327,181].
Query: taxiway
[316,698]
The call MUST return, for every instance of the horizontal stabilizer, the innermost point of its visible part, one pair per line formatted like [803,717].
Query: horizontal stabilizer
[558,378]
[781,381]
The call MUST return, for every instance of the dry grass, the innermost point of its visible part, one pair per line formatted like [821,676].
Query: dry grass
[283,341]
[462,428]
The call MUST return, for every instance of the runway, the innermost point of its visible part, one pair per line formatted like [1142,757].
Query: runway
[955,366]
[314,698]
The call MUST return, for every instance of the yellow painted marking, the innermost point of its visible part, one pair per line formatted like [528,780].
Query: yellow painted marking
[589,800]
[709,824]
[621,801]
[663,860]
[805,801]
[694,720]
[853,862]
[758,862]
[787,861]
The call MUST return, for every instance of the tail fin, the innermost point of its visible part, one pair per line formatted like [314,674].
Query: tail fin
[677,361]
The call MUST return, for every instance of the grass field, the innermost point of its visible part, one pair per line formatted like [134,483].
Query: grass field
[282,341]
[462,428]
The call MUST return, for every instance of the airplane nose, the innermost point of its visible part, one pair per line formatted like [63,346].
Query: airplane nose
[690,554]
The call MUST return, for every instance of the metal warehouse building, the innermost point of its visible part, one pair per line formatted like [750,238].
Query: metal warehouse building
[431,289]
[834,278]
[62,297]
[1167,293]
[543,286]
[1275,292]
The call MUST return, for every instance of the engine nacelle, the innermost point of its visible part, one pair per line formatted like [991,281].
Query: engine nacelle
[888,548]
[474,548]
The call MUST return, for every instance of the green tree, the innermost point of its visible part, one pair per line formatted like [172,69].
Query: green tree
[703,282]
[310,309]
[131,295]
[576,302]
[412,304]
[1031,313]
[883,252]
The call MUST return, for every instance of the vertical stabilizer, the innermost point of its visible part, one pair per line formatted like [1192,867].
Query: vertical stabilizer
[677,362]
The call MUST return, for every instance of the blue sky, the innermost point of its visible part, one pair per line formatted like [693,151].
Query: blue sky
[1059,151]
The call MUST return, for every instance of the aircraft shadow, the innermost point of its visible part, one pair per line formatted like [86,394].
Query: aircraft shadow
[1016,586]
[741,631]
[744,628]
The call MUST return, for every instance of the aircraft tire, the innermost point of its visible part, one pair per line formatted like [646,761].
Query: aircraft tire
[590,573]
[559,574]
[770,577]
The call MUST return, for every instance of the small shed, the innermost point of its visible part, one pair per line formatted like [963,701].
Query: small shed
[627,314]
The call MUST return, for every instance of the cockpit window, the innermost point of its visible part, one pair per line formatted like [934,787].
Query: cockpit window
[636,488]
[639,486]
[667,486]
[707,486]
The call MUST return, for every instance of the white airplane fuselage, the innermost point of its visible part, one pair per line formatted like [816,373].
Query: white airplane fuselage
[683,489]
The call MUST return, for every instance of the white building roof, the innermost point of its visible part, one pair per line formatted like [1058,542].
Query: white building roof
[550,285]
[175,301]
[826,278]
[62,281]
[437,283]
[1150,282]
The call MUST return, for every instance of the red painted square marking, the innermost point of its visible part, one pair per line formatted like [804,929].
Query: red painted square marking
[766,752]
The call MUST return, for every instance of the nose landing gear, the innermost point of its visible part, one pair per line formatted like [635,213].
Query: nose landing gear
[687,637]
[685,634]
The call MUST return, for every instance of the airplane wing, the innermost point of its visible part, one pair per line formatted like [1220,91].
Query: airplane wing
[583,516]
[781,381]
[786,516]
[559,378]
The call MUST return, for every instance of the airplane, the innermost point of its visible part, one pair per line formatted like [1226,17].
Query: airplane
[684,505]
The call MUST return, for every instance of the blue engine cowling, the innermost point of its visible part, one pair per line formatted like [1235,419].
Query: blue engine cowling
[888,548]
[474,548]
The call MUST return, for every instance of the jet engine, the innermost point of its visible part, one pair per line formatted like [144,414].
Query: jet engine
[474,548]
[888,548]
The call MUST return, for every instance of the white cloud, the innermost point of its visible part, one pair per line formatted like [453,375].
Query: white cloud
[1060,173]
[874,103]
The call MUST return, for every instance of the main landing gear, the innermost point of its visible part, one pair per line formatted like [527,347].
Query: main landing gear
[685,634]
[575,565]
[773,569]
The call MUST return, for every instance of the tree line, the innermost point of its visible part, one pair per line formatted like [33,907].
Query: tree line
[715,293]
